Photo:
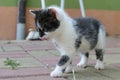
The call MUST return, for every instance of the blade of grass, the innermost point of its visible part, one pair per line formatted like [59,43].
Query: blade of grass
[73,72]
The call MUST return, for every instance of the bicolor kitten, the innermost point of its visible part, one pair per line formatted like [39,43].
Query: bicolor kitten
[70,36]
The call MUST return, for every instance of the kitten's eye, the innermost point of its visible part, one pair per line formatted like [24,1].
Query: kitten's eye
[41,19]
[45,25]
[54,20]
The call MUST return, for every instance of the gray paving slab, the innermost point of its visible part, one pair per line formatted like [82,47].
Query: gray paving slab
[40,53]
[12,48]
[113,50]
[38,59]
[23,72]
[109,58]
[1,50]
[109,73]
[24,62]
[35,78]
[14,54]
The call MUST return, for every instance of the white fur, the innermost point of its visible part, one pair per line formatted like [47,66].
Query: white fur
[61,15]
[68,69]
[32,12]
[100,45]
[101,39]
[64,44]
[32,35]
[64,36]
[85,46]
[57,72]
[64,39]
[83,61]
[99,65]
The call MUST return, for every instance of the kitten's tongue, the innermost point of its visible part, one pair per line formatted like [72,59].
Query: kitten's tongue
[44,38]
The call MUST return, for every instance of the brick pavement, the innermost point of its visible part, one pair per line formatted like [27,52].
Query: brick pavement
[37,59]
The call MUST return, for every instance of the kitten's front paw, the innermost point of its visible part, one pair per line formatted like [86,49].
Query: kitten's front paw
[82,65]
[56,73]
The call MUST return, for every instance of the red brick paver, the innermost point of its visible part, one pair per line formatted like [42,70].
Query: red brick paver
[46,57]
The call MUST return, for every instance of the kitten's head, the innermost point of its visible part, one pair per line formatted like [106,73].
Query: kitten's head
[45,20]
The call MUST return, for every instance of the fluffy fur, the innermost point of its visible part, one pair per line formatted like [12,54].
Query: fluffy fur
[71,36]
[33,35]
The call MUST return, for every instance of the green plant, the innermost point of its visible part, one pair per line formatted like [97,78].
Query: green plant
[11,63]
[73,73]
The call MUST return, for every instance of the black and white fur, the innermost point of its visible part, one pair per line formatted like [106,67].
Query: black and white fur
[71,36]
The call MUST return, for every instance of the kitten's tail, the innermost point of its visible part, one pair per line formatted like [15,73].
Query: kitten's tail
[101,37]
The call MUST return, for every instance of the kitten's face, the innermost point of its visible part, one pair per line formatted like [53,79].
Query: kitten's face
[45,20]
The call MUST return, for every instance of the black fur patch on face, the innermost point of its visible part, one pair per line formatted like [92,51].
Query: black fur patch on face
[99,54]
[46,20]
[64,59]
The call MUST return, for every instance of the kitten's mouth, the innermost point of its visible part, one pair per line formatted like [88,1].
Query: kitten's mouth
[44,36]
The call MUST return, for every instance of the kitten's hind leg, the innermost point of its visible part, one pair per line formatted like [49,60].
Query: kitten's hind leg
[99,56]
[100,50]
[84,60]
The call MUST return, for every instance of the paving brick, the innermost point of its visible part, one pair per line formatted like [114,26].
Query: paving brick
[40,53]
[35,78]
[55,52]
[109,58]
[112,42]
[1,50]
[31,47]
[116,65]
[48,47]
[29,62]
[49,61]
[38,58]
[14,54]
[2,42]
[24,43]
[41,42]
[24,62]
[12,48]
[23,72]
[38,47]
[109,73]
[113,50]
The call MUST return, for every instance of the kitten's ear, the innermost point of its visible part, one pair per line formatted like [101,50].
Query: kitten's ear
[52,12]
[33,12]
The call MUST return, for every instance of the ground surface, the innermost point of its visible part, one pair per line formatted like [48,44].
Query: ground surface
[37,59]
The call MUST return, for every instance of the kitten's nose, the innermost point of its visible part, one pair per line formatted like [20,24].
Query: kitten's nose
[44,38]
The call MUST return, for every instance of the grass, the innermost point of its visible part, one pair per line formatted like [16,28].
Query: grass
[102,4]
[73,73]
[11,63]
[89,4]
[8,2]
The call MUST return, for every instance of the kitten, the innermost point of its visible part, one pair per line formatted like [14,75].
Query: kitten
[71,36]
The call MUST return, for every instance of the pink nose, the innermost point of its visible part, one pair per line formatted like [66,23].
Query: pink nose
[44,38]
